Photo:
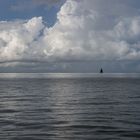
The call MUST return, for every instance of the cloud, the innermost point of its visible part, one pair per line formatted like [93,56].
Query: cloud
[84,31]
[17,38]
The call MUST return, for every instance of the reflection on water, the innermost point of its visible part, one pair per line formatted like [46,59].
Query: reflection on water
[69,75]
[69,106]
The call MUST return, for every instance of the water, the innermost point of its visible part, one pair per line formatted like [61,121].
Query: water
[69,106]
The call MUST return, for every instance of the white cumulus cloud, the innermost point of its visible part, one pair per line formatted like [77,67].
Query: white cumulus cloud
[84,30]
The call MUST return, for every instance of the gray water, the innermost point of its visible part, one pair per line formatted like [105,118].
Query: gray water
[69,106]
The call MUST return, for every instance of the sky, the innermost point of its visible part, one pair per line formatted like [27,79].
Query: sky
[70,36]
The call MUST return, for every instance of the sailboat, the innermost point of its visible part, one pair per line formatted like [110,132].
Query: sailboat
[101,70]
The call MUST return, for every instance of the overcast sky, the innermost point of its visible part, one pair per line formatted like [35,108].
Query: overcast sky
[69,35]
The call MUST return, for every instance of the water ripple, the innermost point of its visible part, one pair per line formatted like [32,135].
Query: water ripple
[84,108]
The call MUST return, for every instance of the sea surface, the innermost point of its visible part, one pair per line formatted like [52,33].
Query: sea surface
[69,106]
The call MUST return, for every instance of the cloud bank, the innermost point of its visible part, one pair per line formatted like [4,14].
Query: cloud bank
[85,30]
